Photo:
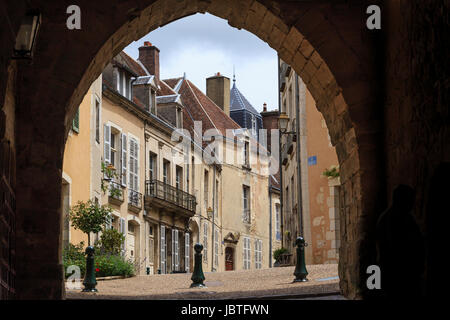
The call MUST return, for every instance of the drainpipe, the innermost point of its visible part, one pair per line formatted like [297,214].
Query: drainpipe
[299,174]
[213,216]
[270,224]
[280,159]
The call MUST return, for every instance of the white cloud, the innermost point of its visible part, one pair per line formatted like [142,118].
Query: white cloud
[202,45]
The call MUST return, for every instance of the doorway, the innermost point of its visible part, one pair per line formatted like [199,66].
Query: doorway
[229,259]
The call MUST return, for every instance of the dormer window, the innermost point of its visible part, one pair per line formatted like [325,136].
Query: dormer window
[179,119]
[124,83]
[152,102]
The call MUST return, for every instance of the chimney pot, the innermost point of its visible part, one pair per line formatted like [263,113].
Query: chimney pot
[147,43]
[265,107]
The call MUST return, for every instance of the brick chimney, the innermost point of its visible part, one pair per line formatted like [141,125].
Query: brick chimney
[218,90]
[149,57]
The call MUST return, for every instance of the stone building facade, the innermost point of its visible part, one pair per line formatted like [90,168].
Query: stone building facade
[167,195]
[310,209]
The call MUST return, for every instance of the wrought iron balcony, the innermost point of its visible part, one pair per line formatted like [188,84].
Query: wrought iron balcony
[134,200]
[115,193]
[168,197]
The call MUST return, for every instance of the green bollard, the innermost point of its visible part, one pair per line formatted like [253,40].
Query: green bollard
[197,276]
[300,272]
[89,279]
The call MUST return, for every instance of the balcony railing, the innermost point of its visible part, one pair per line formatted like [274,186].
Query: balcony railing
[163,191]
[115,191]
[134,199]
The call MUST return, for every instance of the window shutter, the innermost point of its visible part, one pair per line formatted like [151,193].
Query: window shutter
[177,262]
[107,143]
[122,230]
[134,165]
[163,249]
[124,160]
[186,252]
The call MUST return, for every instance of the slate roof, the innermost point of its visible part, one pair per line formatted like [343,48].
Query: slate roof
[239,102]
[168,99]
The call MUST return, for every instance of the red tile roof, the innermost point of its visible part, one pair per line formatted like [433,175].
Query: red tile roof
[132,64]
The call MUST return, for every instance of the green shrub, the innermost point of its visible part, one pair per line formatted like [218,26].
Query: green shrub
[105,264]
[110,242]
[277,253]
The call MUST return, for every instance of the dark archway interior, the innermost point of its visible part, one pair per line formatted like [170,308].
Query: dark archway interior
[381,92]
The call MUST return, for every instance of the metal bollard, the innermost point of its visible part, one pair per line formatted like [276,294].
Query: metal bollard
[89,279]
[197,276]
[300,272]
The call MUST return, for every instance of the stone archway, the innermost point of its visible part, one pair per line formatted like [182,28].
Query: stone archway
[307,36]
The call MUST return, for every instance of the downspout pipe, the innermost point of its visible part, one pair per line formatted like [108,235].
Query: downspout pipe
[280,159]
[299,170]
[270,224]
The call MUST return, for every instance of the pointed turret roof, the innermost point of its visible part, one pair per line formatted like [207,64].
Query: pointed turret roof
[239,102]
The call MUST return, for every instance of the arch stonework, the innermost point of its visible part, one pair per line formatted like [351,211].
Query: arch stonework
[325,44]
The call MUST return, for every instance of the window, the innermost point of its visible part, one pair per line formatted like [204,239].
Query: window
[124,83]
[258,254]
[246,253]
[206,189]
[216,247]
[246,153]
[97,121]
[76,122]
[277,222]
[152,101]
[179,177]
[205,241]
[179,118]
[134,165]
[152,165]
[166,171]
[246,203]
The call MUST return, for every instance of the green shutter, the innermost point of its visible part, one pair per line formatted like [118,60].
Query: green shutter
[76,122]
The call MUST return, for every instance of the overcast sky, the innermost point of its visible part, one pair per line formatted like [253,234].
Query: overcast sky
[202,45]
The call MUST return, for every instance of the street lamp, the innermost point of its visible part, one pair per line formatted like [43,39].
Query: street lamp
[283,121]
[26,36]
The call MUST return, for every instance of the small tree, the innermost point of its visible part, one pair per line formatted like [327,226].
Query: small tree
[111,241]
[89,217]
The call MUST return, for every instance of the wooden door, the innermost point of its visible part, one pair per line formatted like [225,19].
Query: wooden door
[229,259]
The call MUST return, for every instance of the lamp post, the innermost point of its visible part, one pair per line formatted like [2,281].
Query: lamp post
[300,270]
[26,37]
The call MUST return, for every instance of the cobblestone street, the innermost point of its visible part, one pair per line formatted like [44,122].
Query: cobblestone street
[265,283]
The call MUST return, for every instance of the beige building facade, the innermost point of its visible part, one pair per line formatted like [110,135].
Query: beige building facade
[165,196]
[311,207]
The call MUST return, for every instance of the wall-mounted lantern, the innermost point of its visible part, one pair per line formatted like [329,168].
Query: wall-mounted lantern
[26,36]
